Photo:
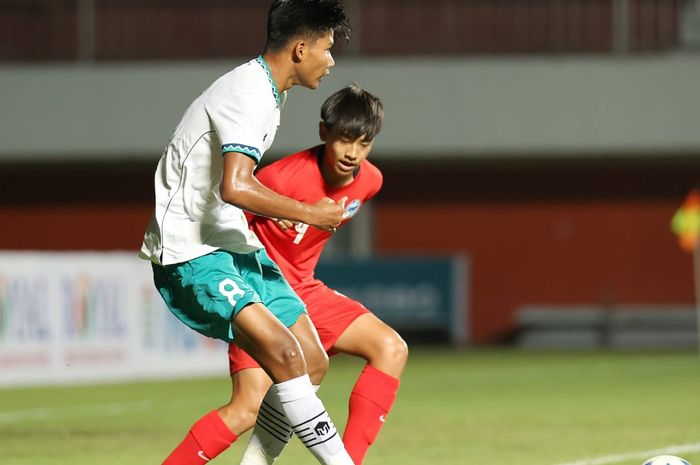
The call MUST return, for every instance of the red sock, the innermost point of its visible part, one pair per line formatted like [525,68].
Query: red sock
[206,439]
[370,402]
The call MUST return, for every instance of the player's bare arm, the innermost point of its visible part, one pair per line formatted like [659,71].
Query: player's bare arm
[239,187]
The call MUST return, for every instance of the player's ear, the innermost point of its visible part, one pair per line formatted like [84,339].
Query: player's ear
[299,51]
[322,131]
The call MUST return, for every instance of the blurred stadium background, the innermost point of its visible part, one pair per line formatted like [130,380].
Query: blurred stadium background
[534,153]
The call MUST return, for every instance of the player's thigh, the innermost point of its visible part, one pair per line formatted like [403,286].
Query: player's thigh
[331,312]
[239,359]
[375,341]
[269,342]
[314,353]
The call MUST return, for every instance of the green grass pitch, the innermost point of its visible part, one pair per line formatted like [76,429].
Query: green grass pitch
[479,407]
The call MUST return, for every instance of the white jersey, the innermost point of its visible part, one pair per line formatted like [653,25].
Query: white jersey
[239,112]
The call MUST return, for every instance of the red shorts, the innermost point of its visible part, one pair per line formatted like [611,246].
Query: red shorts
[331,313]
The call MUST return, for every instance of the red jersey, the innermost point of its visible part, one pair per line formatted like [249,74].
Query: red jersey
[298,176]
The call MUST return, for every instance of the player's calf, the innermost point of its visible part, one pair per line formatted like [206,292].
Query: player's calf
[249,387]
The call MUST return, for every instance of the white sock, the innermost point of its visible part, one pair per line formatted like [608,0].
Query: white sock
[310,421]
[271,433]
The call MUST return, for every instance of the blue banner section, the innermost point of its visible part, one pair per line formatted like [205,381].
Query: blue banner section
[408,293]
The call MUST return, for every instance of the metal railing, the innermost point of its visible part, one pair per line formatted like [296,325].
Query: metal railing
[32,30]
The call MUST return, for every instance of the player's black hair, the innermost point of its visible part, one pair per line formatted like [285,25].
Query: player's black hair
[353,112]
[290,19]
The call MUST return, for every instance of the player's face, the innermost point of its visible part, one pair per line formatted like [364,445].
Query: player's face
[317,60]
[343,155]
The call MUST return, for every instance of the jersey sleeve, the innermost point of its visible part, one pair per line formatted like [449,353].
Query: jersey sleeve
[240,121]
[377,182]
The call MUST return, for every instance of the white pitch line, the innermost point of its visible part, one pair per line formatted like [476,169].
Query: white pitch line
[80,410]
[606,459]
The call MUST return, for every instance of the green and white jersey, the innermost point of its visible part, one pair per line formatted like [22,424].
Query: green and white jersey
[239,112]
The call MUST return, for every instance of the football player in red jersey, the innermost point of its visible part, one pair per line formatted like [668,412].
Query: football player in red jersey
[350,120]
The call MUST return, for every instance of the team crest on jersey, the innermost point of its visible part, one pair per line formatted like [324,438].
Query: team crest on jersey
[352,208]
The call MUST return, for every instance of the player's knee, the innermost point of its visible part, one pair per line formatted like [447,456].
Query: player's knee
[290,359]
[394,350]
[317,366]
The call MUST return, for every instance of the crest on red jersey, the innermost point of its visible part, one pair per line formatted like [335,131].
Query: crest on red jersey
[352,208]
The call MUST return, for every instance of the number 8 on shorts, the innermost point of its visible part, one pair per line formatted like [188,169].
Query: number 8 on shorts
[230,289]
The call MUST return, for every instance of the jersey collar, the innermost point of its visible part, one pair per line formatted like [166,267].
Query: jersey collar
[275,92]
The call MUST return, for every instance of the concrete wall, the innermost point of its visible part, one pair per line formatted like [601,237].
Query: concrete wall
[469,107]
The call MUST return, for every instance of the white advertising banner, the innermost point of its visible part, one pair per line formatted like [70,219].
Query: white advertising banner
[84,317]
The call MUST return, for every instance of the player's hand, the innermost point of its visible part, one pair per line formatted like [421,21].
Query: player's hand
[284,224]
[328,214]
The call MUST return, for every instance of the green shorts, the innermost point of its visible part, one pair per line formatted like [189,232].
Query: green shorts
[207,292]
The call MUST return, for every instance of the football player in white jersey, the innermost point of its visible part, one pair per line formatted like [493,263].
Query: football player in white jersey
[211,270]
